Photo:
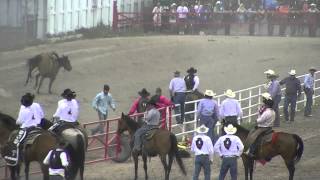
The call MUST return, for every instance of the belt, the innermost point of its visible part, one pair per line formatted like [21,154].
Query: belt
[232,156]
[203,155]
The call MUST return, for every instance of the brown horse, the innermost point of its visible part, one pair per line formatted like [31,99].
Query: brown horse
[48,65]
[162,143]
[35,152]
[288,146]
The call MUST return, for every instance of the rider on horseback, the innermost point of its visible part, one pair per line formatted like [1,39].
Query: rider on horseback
[67,112]
[151,122]
[265,120]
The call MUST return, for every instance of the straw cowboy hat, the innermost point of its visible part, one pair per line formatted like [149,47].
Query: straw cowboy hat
[270,72]
[209,93]
[229,93]
[266,95]
[192,70]
[144,92]
[312,69]
[230,129]
[292,72]
[202,129]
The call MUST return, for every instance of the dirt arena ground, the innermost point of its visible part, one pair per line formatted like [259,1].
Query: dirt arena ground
[129,64]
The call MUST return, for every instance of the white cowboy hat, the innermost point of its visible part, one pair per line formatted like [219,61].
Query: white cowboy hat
[270,72]
[266,95]
[229,93]
[230,129]
[173,4]
[209,93]
[313,4]
[292,72]
[218,2]
[202,129]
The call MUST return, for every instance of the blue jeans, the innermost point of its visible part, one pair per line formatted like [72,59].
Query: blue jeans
[309,92]
[179,98]
[202,161]
[100,127]
[228,163]
[210,122]
[292,101]
[275,107]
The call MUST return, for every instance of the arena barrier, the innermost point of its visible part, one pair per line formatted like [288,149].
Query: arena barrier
[109,145]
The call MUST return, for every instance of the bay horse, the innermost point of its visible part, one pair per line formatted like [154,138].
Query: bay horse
[48,65]
[34,152]
[162,143]
[288,146]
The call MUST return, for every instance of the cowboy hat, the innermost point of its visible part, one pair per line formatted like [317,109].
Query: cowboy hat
[173,4]
[266,95]
[230,129]
[270,72]
[192,70]
[144,92]
[292,72]
[176,73]
[313,4]
[312,69]
[202,129]
[27,99]
[153,100]
[68,93]
[229,93]
[209,93]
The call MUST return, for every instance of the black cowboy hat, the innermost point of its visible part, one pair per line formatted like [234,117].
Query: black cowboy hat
[27,99]
[144,92]
[192,70]
[67,93]
[153,100]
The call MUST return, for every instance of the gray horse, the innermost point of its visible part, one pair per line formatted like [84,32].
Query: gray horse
[47,65]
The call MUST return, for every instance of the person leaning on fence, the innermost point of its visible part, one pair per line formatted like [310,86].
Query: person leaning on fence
[203,149]
[274,89]
[100,103]
[57,160]
[266,116]
[157,10]
[182,12]
[208,112]
[152,121]
[230,108]
[309,91]
[173,18]
[177,88]
[229,147]
[292,92]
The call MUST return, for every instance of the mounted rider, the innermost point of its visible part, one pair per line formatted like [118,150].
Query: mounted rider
[266,116]
[67,113]
[152,121]
[29,119]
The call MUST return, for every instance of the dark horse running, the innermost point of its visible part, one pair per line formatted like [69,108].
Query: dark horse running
[288,146]
[48,65]
[162,143]
[34,152]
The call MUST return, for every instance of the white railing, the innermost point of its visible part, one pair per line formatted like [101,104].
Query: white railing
[250,101]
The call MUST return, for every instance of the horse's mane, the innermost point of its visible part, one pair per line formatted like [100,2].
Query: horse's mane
[7,120]
[131,123]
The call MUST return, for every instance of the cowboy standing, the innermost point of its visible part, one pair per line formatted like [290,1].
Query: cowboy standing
[140,104]
[177,88]
[203,149]
[229,147]
[274,90]
[208,112]
[308,89]
[152,121]
[230,108]
[266,116]
[293,91]
[192,80]
[67,112]
[57,161]
[100,103]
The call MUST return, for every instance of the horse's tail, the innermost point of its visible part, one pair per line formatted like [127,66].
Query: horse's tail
[32,63]
[175,152]
[300,148]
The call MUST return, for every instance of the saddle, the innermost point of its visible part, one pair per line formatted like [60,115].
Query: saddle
[149,134]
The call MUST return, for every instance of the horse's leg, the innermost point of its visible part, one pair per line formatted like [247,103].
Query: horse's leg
[45,172]
[165,166]
[50,84]
[246,166]
[145,167]
[13,172]
[81,170]
[135,159]
[26,169]
[291,169]
[40,83]
[251,163]
[170,163]
[37,80]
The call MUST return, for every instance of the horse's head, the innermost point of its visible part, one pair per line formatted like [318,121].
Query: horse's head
[7,125]
[65,63]
[127,124]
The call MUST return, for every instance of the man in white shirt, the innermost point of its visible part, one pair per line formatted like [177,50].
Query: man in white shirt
[229,147]
[182,12]
[57,161]
[192,80]
[203,150]
[230,108]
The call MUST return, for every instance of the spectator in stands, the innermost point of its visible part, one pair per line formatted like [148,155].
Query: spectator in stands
[182,11]
[157,10]
[274,90]
[308,89]
[251,15]
[162,102]
[100,103]
[313,8]
[173,18]
[313,20]
[293,91]
[177,88]
[230,108]
[241,13]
